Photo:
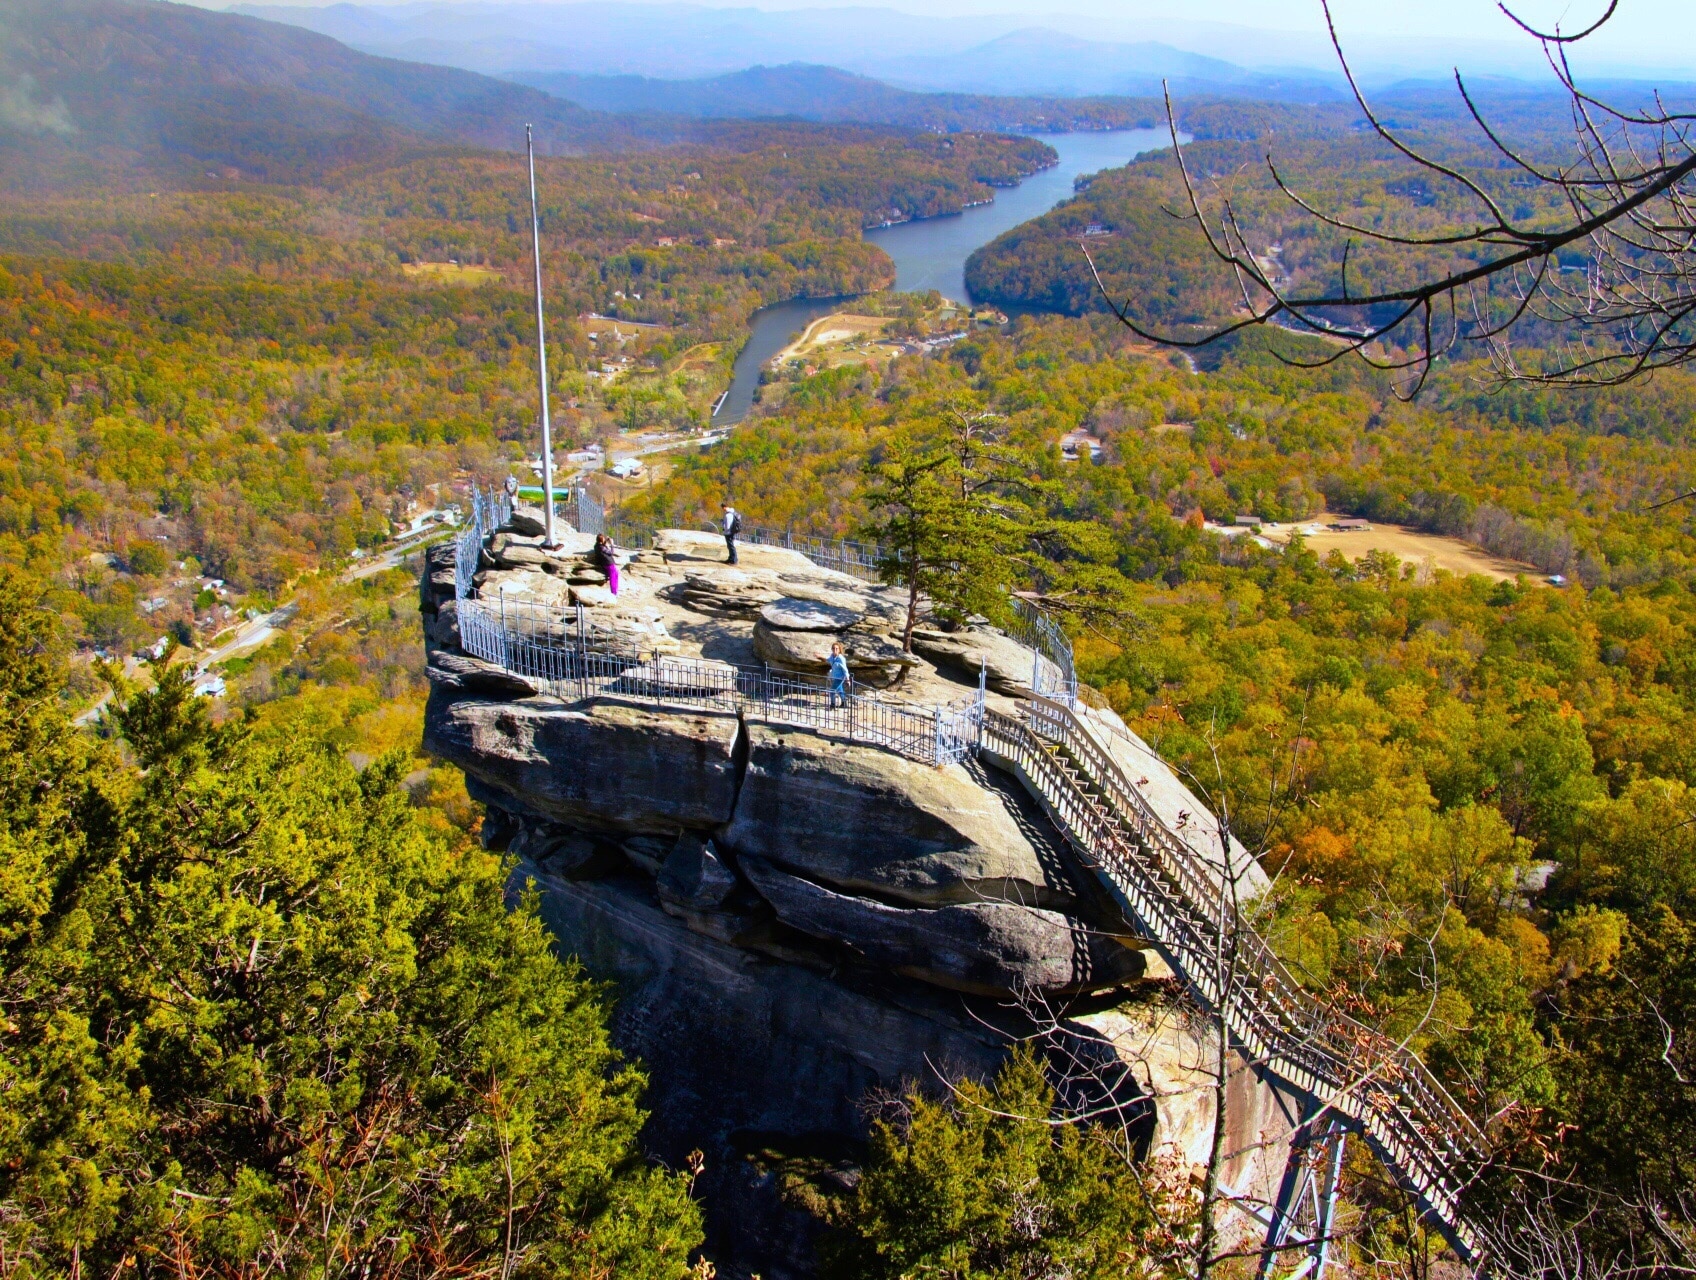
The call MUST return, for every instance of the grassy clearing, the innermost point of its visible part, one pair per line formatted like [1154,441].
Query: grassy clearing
[1410,545]
[451,272]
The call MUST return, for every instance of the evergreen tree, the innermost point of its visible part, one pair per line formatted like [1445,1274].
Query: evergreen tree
[261,1019]
[992,1184]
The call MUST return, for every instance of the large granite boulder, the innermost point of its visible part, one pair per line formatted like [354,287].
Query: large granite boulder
[870,821]
[795,613]
[600,765]
[1005,662]
[984,948]
[436,585]
[528,588]
[442,627]
[874,658]
[525,521]
[460,671]
[726,590]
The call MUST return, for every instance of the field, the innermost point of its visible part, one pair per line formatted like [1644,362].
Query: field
[453,272]
[839,338]
[1410,545]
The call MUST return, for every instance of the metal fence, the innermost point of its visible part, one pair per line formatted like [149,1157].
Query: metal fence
[1052,672]
[1177,896]
[586,514]
[857,559]
[489,511]
[560,653]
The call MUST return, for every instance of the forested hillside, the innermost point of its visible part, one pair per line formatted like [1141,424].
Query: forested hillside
[132,94]
[1136,223]
[827,94]
[1478,795]
[158,348]
[236,354]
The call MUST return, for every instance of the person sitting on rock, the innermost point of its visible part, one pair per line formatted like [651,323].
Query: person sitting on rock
[838,674]
[606,557]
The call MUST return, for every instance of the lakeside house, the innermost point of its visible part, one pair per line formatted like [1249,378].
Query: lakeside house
[1073,443]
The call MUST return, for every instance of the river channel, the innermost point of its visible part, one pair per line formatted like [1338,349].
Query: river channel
[931,253]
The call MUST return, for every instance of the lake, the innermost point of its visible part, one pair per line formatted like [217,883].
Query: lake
[931,253]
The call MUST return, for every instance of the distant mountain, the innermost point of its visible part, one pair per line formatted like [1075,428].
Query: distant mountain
[616,37]
[177,89]
[989,54]
[807,92]
[1037,60]
[94,90]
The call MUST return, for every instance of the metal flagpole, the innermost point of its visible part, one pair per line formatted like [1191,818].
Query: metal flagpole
[541,353]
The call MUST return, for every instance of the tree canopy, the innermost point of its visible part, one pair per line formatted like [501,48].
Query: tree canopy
[258,1015]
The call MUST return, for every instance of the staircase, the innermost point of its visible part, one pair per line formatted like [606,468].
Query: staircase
[1184,905]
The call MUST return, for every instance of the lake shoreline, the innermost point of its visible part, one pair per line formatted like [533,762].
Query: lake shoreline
[930,253]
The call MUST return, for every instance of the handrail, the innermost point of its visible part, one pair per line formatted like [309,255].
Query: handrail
[536,643]
[1350,1068]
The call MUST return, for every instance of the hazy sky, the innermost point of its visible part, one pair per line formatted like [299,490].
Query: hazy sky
[1655,36]
[1657,30]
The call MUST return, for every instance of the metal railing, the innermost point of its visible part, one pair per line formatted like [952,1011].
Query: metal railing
[560,654]
[1181,900]
[489,511]
[586,514]
[1053,674]
[857,559]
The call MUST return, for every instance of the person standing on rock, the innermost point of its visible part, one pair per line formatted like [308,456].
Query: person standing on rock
[838,674]
[732,527]
[606,557]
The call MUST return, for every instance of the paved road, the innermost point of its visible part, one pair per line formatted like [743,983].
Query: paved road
[393,556]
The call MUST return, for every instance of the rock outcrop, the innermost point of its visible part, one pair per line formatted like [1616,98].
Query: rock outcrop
[606,766]
[791,919]
[989,948]
[869,821]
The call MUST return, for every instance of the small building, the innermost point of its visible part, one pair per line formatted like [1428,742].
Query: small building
[1351,525]
[1249,522]
[1074,443]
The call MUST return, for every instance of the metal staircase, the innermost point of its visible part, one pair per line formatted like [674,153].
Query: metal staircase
[1181,902]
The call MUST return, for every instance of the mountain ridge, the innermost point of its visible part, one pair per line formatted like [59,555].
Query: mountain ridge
[676,41]
[817,92]
[140,92]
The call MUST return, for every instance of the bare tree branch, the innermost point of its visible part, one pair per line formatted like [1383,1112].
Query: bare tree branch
[1628,194]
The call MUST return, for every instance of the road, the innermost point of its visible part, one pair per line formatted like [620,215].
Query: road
[252,634]
[393,556]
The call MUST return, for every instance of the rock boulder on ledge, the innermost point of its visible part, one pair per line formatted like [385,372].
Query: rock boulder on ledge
[602,765]
[866,820]
[983,948]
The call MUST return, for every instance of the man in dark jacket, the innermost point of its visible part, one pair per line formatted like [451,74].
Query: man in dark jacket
[732,527]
